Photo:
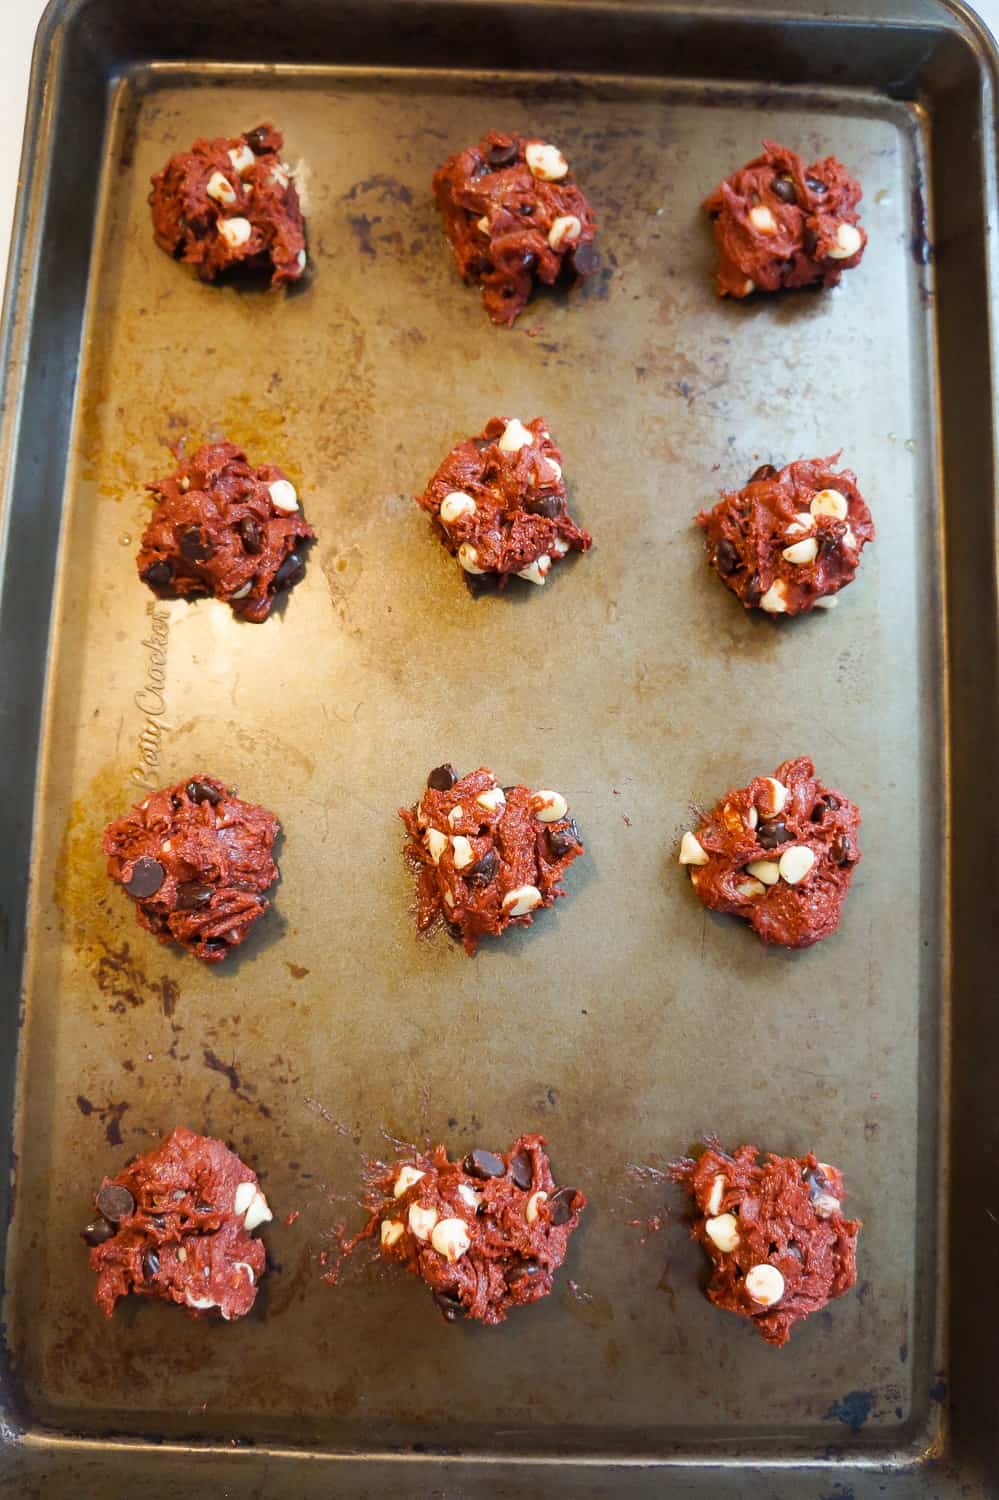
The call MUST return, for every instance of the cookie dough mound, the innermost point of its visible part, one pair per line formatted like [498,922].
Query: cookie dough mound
[486,1234]
[177,1224]
[225,528]
[791,538]
[499,505]
[778,223]
[780,853]
[774,1231]
[487,856]
[514,216]
[195,859]
[229,202]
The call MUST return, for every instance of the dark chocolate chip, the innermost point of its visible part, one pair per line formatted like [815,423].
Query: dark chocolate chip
[585,259]
[291,571]
[150,1264]
[527,209]
[824,805]
[481,1163]
[769,835]
[99,1231]
[785,190]
[842,851]
[817,1182]
[810,243]
[726,557]
[203,1208]
[115,1202]
[545,505]
[528,260]
[158,574]
[522,1169]
[158,1221]
[200,791]
[561,840]
[191,894]
[484,871]
[830,537]
[252,535]
[480,266]
[765,471]
[442,778]
[561,1205]
[449,1305]
[194,546]
[146,878]
[754,590]
[831,801]
[522,1272]
[817,187]
[502,156]
[215,943]
[256,139]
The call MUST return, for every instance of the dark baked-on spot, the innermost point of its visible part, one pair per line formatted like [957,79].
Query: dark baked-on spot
[146,878]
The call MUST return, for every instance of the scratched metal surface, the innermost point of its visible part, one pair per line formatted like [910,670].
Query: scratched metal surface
[627,1021]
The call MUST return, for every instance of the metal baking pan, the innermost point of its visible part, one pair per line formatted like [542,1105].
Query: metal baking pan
[627,1021]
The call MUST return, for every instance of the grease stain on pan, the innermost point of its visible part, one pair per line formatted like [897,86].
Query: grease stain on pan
[853,1410]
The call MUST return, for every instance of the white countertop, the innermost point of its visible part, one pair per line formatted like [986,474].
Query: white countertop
[20,20]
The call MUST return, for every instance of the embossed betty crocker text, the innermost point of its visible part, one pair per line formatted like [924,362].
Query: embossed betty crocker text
[150,700]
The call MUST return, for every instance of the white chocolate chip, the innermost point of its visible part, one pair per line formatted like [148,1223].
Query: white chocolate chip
[451,1238]
[716,1194]
[242,1265]
[279,176]
[765,1284]
[469,558]
[470,1196]
[449,900]
[801,552]
[723,1231]
[182,1256]
[456,504]
[829,503]
[564,230]
[242,158]
[250,1202]
[464,854]
[748,286]
[521,900]
[422,1220]
[752,817]
[556,469]
[774,601]
[801,525]
[849,540]
[766,870]
[392,1230]
[515,436]
[455,815]
[166,846]
[301,260]
[830,601]
[546,162]
[825,1205]
[775,796]
[795,863]
[492,799]
[749,890]
[284,496]
[405,1180]
[691,852]
[538,570]
[559,547]
[848,242]
[533,1203]
[201,1303]
[482,225]
[549,807]
[185,485]
[242,593]
[436,843]
[762,219]
[221,189]
[235,232]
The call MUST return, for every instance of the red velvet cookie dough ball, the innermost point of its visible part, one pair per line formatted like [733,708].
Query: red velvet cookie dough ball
[196,860]
[514,216]
[778,223]
[499,504]
[226,528]
[228,202]
[774,1230]
[485,1234]
[487,856]
[790,539]
[177,1224]
[780,853]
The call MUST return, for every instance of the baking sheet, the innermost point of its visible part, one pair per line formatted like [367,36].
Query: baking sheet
[627,1021]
